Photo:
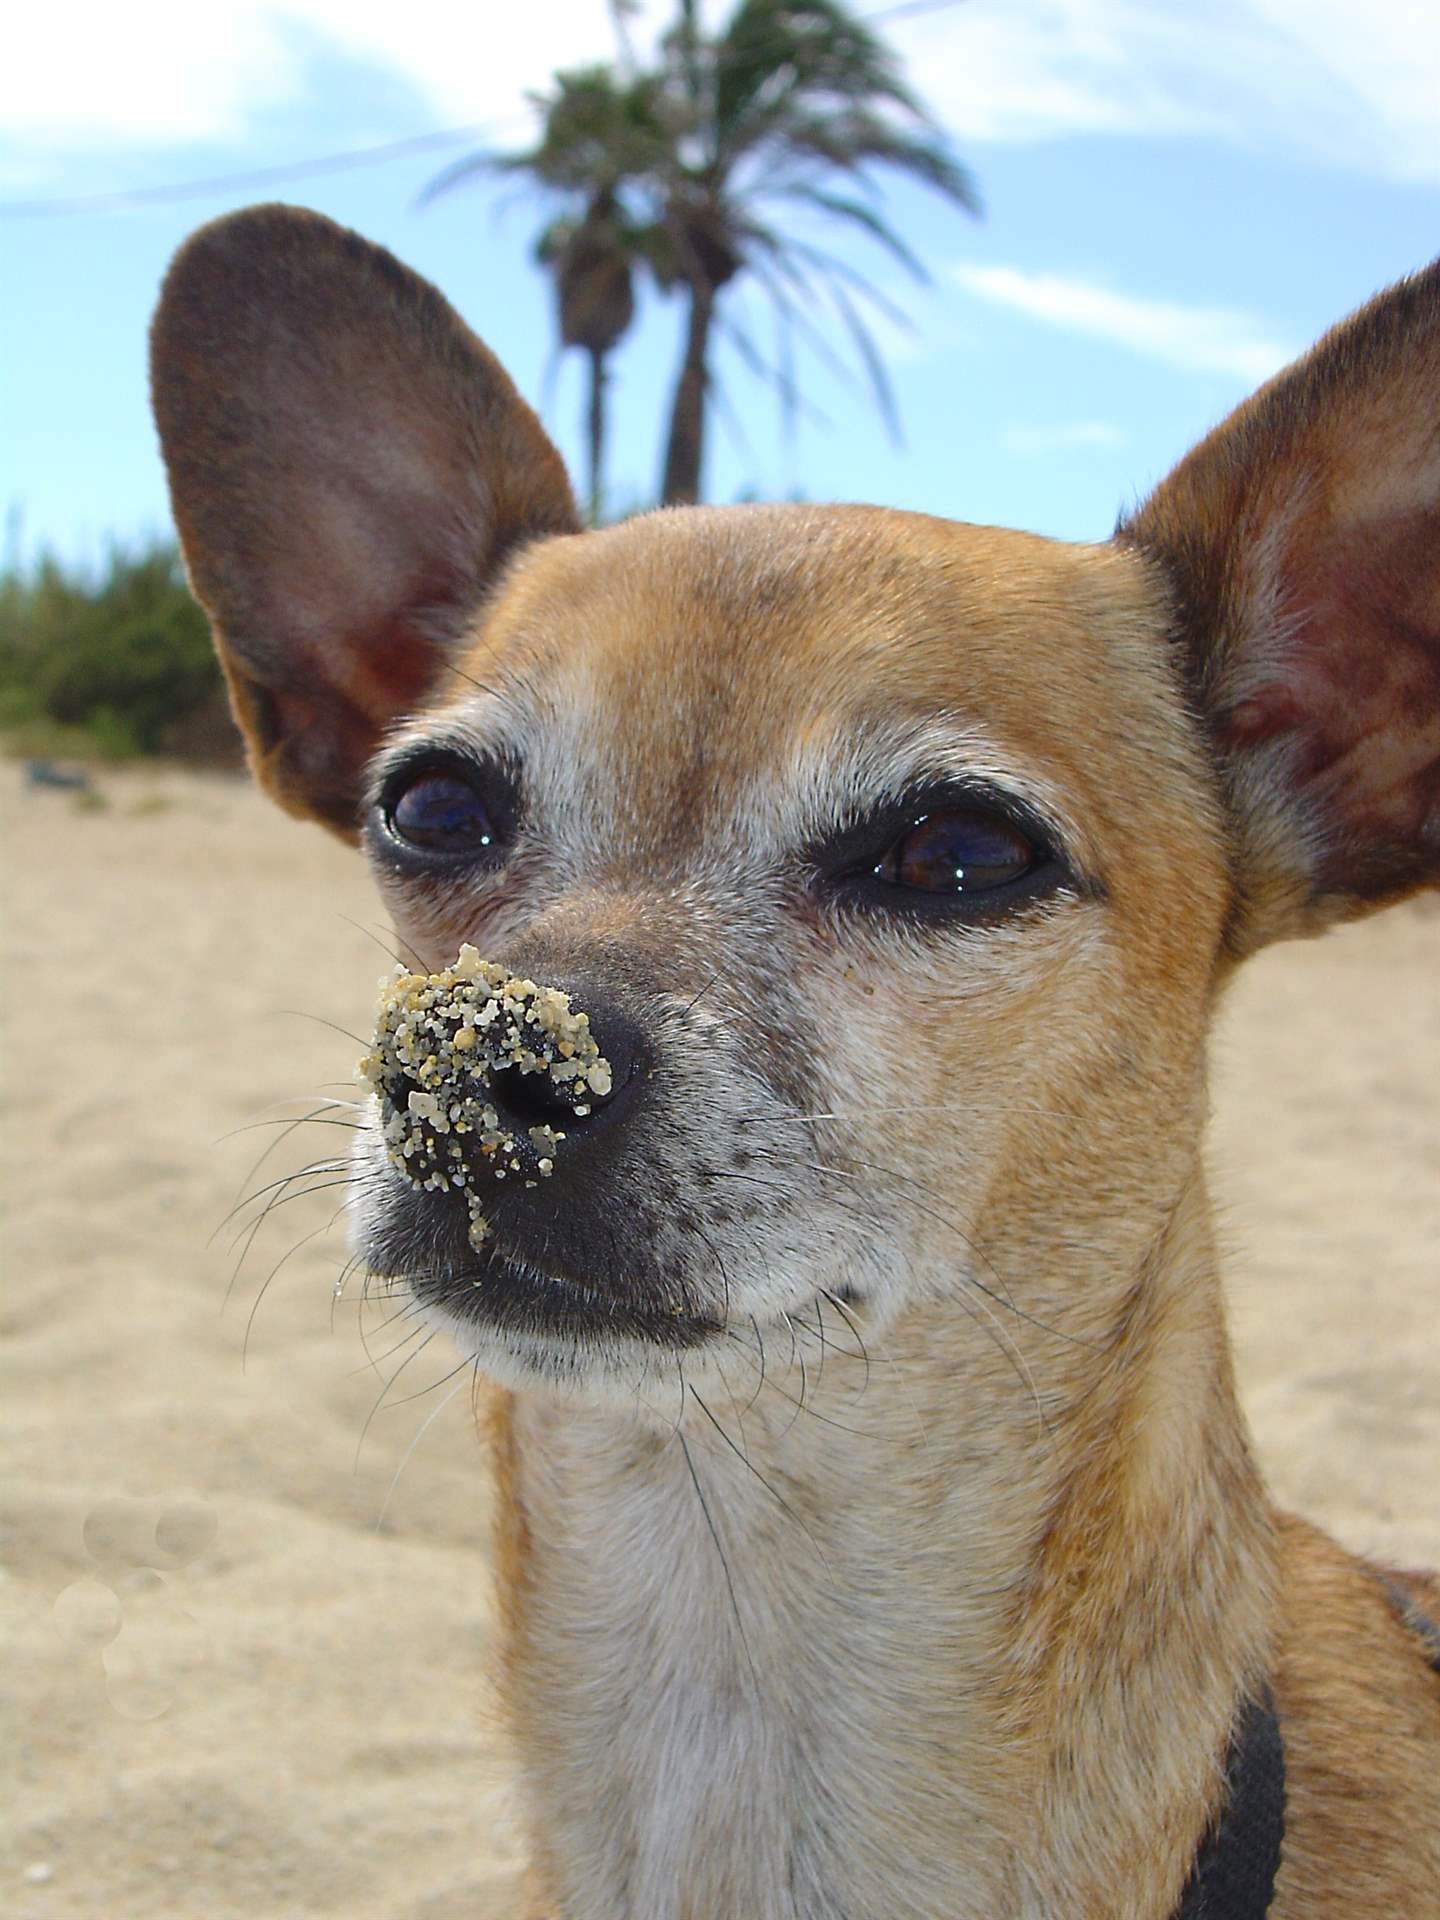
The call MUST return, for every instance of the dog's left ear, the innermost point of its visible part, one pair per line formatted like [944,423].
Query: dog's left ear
[1302,543]
[350,469]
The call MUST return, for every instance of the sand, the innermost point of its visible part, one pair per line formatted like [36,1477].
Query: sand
[236,1692]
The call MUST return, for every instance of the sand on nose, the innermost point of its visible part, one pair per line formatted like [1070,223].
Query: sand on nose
[440,1040]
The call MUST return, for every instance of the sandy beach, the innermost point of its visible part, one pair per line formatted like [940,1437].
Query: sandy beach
[237,1689]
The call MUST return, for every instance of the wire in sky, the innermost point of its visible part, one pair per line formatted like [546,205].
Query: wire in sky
[906,7]
[118,201]
[254,177]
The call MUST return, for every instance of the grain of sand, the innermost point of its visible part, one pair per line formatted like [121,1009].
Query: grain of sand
[235,1694]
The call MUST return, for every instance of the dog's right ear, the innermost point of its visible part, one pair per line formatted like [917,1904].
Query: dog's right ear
[349,467]
[1302,544]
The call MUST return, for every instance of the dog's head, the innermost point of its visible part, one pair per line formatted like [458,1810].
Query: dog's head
[894,861]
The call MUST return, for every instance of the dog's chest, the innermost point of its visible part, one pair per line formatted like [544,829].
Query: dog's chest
[708,1719]
[671,1775]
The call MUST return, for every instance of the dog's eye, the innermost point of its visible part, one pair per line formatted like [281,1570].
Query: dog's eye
[944,855]
[441,813]
[958,850]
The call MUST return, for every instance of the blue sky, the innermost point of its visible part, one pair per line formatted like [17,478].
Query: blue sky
[1178,198]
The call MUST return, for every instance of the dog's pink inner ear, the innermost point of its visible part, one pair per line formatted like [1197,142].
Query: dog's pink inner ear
[310,744]
[350,469]
[331,632]
[1355,700]
[340,625]
[1302,543]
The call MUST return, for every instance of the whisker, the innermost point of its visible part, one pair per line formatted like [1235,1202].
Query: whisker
[724,1563]
[301,1013]
[421,1392]
[424,1427]
[760,1348]
[976,1310]
[777,1497]
[392,1290]
[299,1173]
[720,1262]
[384,945]
[1006,1343]
[800,1358]
[380,1400]
[763,1117]
[811,1413]
[316,1119]
[690,1007]
[248,1232]
[412,1311]
[355,1260]
[326,1180]
[680,1403]
[1001,1300]
[501,694]
[853,1324]
[820,1329]
[304,1241]
[285,1119]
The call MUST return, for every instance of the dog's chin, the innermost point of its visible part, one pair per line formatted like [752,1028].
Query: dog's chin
[527,1326]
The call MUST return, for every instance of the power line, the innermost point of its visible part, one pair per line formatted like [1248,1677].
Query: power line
[907,7]
[118,201]
[255,177]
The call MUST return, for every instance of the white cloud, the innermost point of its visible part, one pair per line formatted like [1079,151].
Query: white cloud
[1068,436]
[1197,339]
[162,72]
[1357,84]
[1383,62]
[94,73]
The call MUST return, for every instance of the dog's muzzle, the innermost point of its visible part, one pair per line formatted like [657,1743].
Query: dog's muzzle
[507,1111]
[481,1074]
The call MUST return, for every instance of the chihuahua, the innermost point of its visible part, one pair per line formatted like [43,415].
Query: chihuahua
[879,1532]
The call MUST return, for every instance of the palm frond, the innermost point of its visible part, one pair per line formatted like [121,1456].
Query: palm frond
[841,207]
[833,279]
[469,167]
[856,138]
[792,400]
[874,365]
[793,106]
[776,55]
[795,292]
[831,266]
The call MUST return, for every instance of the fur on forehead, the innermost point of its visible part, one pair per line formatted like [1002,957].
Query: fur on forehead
[706,652]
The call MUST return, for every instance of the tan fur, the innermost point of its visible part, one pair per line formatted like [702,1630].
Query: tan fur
[939,1599]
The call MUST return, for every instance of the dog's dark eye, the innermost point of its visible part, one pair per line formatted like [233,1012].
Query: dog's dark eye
[958,850]
[441,813]
[944,855]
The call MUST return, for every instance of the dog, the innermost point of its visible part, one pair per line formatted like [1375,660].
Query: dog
[880,1536]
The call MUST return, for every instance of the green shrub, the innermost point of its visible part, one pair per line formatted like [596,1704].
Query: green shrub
[119,658]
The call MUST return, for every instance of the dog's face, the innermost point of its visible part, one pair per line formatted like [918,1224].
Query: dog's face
[872,921]
[894,861]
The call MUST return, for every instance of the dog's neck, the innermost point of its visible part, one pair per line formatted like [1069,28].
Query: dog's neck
[900,1652]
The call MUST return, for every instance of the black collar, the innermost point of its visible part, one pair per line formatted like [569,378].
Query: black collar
[1233,1877]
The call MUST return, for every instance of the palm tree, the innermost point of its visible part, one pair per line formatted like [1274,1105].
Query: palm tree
[681,170]
[589,260]
[791,106]
[600,134]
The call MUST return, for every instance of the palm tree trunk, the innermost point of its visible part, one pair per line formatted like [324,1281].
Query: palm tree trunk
[597,432]
[685,448]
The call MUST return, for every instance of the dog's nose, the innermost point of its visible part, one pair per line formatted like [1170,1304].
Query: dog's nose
[526,1100]
[485,1076]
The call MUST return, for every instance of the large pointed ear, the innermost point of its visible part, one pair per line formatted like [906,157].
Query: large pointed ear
[349,466]
[1302,541]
